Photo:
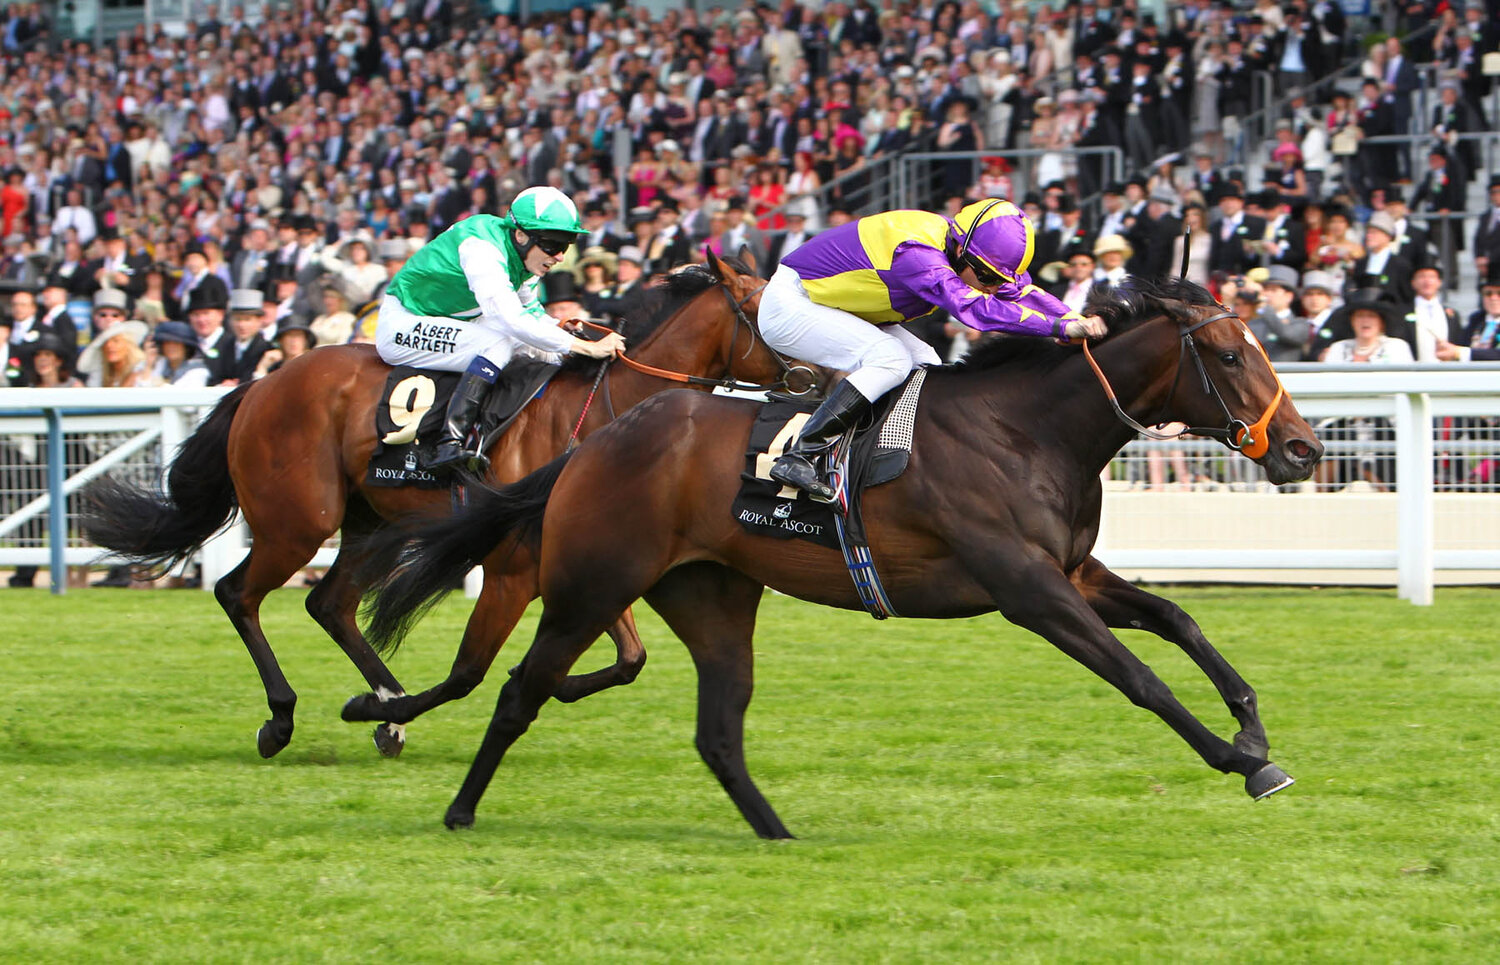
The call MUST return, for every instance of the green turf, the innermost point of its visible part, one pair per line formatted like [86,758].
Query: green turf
[963,792]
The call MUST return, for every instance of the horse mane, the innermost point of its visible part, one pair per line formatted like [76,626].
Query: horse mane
[661,303]
[1122,307]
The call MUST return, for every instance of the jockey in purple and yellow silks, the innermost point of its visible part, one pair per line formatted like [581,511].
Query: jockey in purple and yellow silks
[837,299]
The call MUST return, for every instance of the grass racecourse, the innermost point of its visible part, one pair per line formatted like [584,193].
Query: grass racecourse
[963,792]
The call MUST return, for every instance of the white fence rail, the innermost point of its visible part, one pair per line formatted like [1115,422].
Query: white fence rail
[1415,492]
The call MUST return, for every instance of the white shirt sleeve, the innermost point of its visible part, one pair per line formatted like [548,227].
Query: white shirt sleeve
[484,267]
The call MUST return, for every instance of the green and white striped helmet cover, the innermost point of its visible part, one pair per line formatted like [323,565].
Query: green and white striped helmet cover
[545,209]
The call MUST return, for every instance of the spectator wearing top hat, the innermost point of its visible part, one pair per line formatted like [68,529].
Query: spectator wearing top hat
[393,253]
[1230,248]
[1412,243]
[1069,236]
[54,317]
[206,309]
[785,242]
[598,233]
[1207,178]
[1115,218]
[1487,232]
[624,298]
[118,268]
[1285,237]
[669,246]
[111,307]
[561,298]
[1432,321]
[247,345]
[1157,233]
[294,338]
[179,361]
[1441,192]
[1320,298]
[1282,332]
[1381,266]
[741,232]
[196,274]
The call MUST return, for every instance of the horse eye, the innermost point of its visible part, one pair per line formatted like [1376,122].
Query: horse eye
[1230,358]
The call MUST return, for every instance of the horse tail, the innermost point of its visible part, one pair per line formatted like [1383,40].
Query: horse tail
[412,565]
[159,529]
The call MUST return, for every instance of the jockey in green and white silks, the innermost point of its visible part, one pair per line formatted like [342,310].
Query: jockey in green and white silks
[468,302]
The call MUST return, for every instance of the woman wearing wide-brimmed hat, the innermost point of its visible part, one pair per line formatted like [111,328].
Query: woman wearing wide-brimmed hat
[48,364]
[1371,326]
[1378,334]
[1112,251]
[178,362]
[115,359]
[294,338]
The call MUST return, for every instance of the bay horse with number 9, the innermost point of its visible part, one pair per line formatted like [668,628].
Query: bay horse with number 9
[997,510]
[290,452]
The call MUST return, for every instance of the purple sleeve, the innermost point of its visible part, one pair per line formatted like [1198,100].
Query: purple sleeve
[1018,307]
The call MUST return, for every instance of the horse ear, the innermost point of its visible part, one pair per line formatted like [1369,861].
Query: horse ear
[714,264]
[748,257]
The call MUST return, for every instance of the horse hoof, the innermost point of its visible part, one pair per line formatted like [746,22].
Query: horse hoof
[360,708]
[269,742]
[1267,781]
[1252,746]
[390,739]
[457,819]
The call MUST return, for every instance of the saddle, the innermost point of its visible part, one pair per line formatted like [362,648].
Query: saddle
[870,454]
[409,418]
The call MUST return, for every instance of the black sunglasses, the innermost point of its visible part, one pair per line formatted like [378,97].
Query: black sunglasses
[552,244]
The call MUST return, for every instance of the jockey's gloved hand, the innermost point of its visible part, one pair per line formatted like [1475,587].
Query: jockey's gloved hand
[607,347]
[1091,327]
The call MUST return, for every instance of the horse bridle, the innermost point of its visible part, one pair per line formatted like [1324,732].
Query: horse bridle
[738,307]
[1250,438]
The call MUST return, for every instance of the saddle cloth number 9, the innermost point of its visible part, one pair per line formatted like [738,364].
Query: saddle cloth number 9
[409,402]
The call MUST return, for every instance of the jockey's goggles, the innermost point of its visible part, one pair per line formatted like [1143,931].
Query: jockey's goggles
[983,273]
[553,243]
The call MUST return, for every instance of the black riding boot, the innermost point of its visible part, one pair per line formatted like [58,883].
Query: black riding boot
[843,408]
[463,410]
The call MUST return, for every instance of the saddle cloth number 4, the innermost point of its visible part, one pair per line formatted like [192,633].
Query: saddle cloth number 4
[767,459]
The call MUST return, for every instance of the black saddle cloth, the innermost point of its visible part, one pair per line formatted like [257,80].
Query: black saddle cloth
[768,508]
[419,397]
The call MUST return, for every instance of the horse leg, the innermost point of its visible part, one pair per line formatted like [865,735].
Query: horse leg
[1037,596]
[501,603]
[630,657]
[268,566]
[563,636]
[712,609]
[333,603]
[1120,603]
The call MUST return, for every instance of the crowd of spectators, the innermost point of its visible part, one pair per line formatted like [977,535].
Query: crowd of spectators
[195,209]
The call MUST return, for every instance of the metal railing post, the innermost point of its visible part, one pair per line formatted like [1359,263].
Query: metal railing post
[57,508]
[1414,526]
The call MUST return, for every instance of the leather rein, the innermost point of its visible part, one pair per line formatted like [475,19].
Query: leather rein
[787,370]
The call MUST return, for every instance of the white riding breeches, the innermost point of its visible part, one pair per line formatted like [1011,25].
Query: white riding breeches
[877,358]
[442,343]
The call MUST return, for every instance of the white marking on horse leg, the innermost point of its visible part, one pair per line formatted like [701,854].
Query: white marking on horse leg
[397,731]
[385,694]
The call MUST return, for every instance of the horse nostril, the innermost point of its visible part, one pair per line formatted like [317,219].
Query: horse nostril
[1301,451]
